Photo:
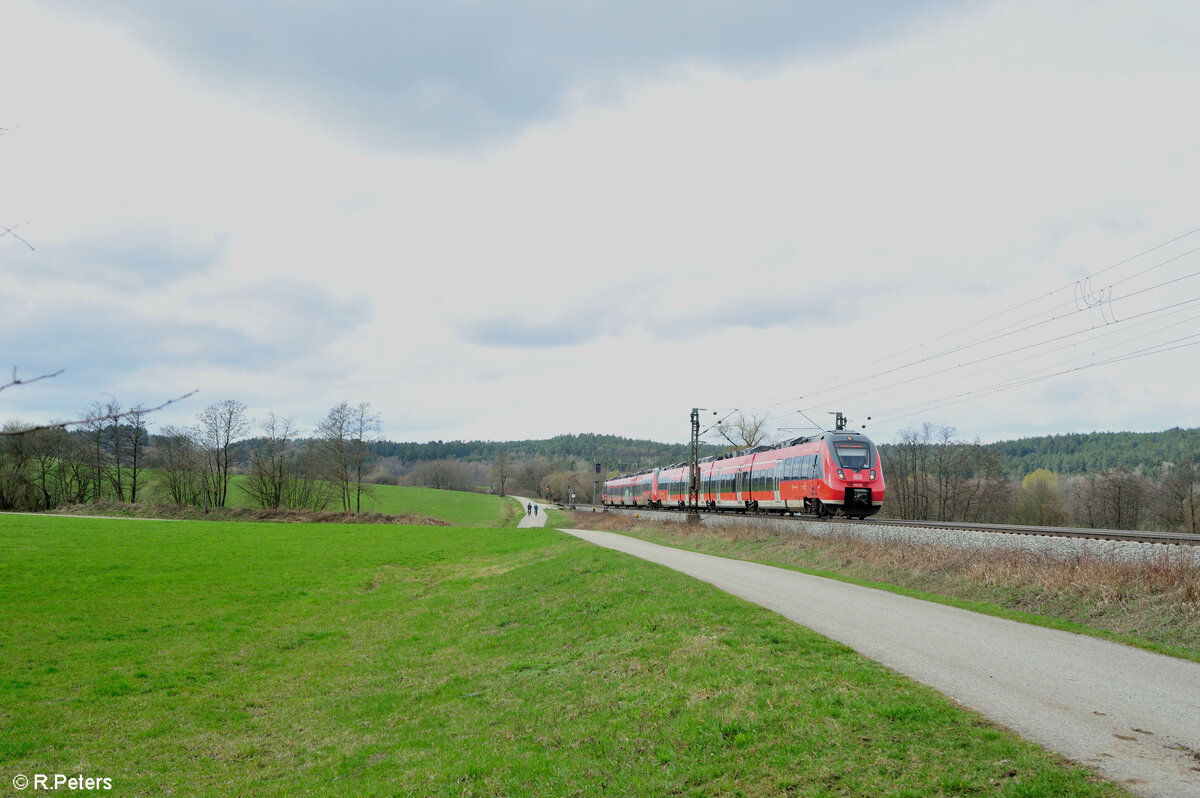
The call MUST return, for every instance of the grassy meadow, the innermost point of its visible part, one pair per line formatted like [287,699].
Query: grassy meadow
[454,507]
[236,658]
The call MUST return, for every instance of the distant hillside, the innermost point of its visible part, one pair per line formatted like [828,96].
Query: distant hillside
[611,451]
[1097,451]
[1077,453]
[1064,454]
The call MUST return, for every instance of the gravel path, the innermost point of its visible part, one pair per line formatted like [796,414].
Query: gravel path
[1128,714]
[530,519]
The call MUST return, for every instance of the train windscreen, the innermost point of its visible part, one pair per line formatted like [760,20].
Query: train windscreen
[854,455]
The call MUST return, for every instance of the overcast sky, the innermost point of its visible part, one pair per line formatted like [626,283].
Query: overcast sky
[516,220]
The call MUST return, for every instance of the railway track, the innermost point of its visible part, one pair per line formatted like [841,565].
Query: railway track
[1129,536]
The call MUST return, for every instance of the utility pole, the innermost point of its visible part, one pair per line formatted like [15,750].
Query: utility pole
[694,469]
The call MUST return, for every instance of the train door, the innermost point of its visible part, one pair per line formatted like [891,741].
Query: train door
[739,485]
[776,474]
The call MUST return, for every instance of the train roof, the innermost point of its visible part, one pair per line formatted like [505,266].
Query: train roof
[752,450]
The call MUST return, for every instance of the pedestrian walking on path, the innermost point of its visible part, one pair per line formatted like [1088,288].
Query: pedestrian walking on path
[531,517]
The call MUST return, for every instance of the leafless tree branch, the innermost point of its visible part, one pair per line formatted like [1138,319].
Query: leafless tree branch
[11,231]
[17,381]
[89,419]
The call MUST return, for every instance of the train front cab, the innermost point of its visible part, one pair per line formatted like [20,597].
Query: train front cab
[853,483]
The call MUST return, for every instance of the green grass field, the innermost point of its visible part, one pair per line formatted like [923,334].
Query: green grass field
[219,658]
[455,507]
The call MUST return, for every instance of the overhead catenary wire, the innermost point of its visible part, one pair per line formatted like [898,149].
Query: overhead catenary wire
[922,346]
[1028,353]
[930,371]
[913,410]
[1004,332]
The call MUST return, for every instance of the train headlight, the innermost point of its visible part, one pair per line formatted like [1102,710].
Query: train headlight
[840,474]
[872,474]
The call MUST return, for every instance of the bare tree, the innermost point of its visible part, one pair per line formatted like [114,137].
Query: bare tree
[990,499]
[48,448]
[1114,499]
[73,471]
[219,426]
[139,437]
[272,463]
[444,475]
[282,473]
[1178,500]
[500,470]
[532,472]
[364,425]
[70,472]
[114,437]
[342,438]
[179,465]
[92,429]
[16,489]
[333,435]
[309,490]
[909,490]
[743,431]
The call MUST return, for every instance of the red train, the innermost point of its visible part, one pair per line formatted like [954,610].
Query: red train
[835,473]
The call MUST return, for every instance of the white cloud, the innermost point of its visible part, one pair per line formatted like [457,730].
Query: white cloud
[707,239]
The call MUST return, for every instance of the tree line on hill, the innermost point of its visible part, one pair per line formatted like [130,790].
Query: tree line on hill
[110,455]
[1095,452]
[1114,480]
[932,476]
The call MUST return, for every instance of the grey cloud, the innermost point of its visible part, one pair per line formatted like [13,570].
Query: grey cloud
[438,74]
[747,310]
[135,259]
[510,331]
[96,342]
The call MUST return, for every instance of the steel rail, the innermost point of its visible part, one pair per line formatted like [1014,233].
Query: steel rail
[1131,536]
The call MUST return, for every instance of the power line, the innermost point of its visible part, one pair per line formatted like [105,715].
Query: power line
[1084,300]
[1070,285]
